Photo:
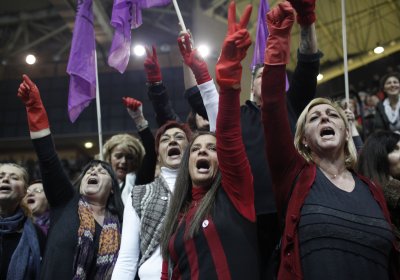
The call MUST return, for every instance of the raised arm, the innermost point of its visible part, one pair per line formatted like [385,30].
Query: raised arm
[156,90]
[207,88]
[281,153]
[303,85]
[355,135]
[56,183]
[146,172]
[237,179]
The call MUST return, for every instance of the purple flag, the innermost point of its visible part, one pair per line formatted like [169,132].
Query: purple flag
[261,37]
[126,15]
[81,63]
[261,34]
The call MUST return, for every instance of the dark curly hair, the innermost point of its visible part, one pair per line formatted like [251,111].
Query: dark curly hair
[114,202]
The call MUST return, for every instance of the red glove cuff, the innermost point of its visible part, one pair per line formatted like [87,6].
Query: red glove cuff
[202,76]
[37,119]
[228,76]
[277,51]
[153,71]
[153,76]
[306,19]
[305,10]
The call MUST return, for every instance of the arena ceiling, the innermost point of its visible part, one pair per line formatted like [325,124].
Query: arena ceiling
[44,28]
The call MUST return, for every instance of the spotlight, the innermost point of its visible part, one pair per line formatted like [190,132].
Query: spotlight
[88,145]
[139,50]
[204,50]
[30,59]
[379,50]
[320,77]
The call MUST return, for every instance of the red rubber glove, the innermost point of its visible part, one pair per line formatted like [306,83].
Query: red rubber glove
[152,67]
[135,110]
[131,103]
[279,21]
[193,59]
[234,48]
[305,10]
[29,94]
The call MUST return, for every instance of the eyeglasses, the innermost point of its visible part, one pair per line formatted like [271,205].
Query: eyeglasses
[34,191]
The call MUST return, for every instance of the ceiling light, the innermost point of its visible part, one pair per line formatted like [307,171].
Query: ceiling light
[379,49]
[139,50]
[204,50]
[165,48]
[320,77]
[88,145]
[30,59]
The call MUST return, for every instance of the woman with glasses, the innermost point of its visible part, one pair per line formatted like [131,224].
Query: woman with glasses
[37,202]
[21,242]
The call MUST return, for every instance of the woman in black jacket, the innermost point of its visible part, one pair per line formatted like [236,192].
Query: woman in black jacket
[85,227]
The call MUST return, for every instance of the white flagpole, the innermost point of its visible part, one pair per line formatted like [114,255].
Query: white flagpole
[178,13]
[344,41]
[98,108]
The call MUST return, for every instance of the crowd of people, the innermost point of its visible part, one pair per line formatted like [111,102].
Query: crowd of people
[286,186]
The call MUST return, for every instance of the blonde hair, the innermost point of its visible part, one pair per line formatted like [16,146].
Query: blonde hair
[305,152]
[126,141]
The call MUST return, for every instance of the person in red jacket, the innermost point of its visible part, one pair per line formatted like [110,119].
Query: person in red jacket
[337,225]
[210,230]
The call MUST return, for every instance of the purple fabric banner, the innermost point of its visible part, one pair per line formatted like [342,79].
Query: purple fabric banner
[126,15]
[261,34]
[261,37]
[81,63]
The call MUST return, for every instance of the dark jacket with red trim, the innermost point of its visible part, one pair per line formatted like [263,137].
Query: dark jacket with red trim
[226,246]
[285,163]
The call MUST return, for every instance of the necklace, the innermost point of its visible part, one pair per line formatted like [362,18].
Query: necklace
[331,175]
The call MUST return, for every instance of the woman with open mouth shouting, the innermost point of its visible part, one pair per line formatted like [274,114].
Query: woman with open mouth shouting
[210,229]
[21,242]
[147,206]
[37,202]
[336,224]
[84,235]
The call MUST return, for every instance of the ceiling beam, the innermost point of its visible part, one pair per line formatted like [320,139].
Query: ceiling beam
[103,29]
[357,62]
[40,40]
[103,20]
[23,16]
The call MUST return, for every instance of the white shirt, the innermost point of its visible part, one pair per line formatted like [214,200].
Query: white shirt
[129,183]
[210,97]
[128,258]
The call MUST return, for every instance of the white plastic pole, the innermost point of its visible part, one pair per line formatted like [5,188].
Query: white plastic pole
[178,13]
[344,41]
[98,109]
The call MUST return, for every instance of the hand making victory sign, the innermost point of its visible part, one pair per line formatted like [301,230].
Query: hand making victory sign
[152,67]
[234,48]
[193,59]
